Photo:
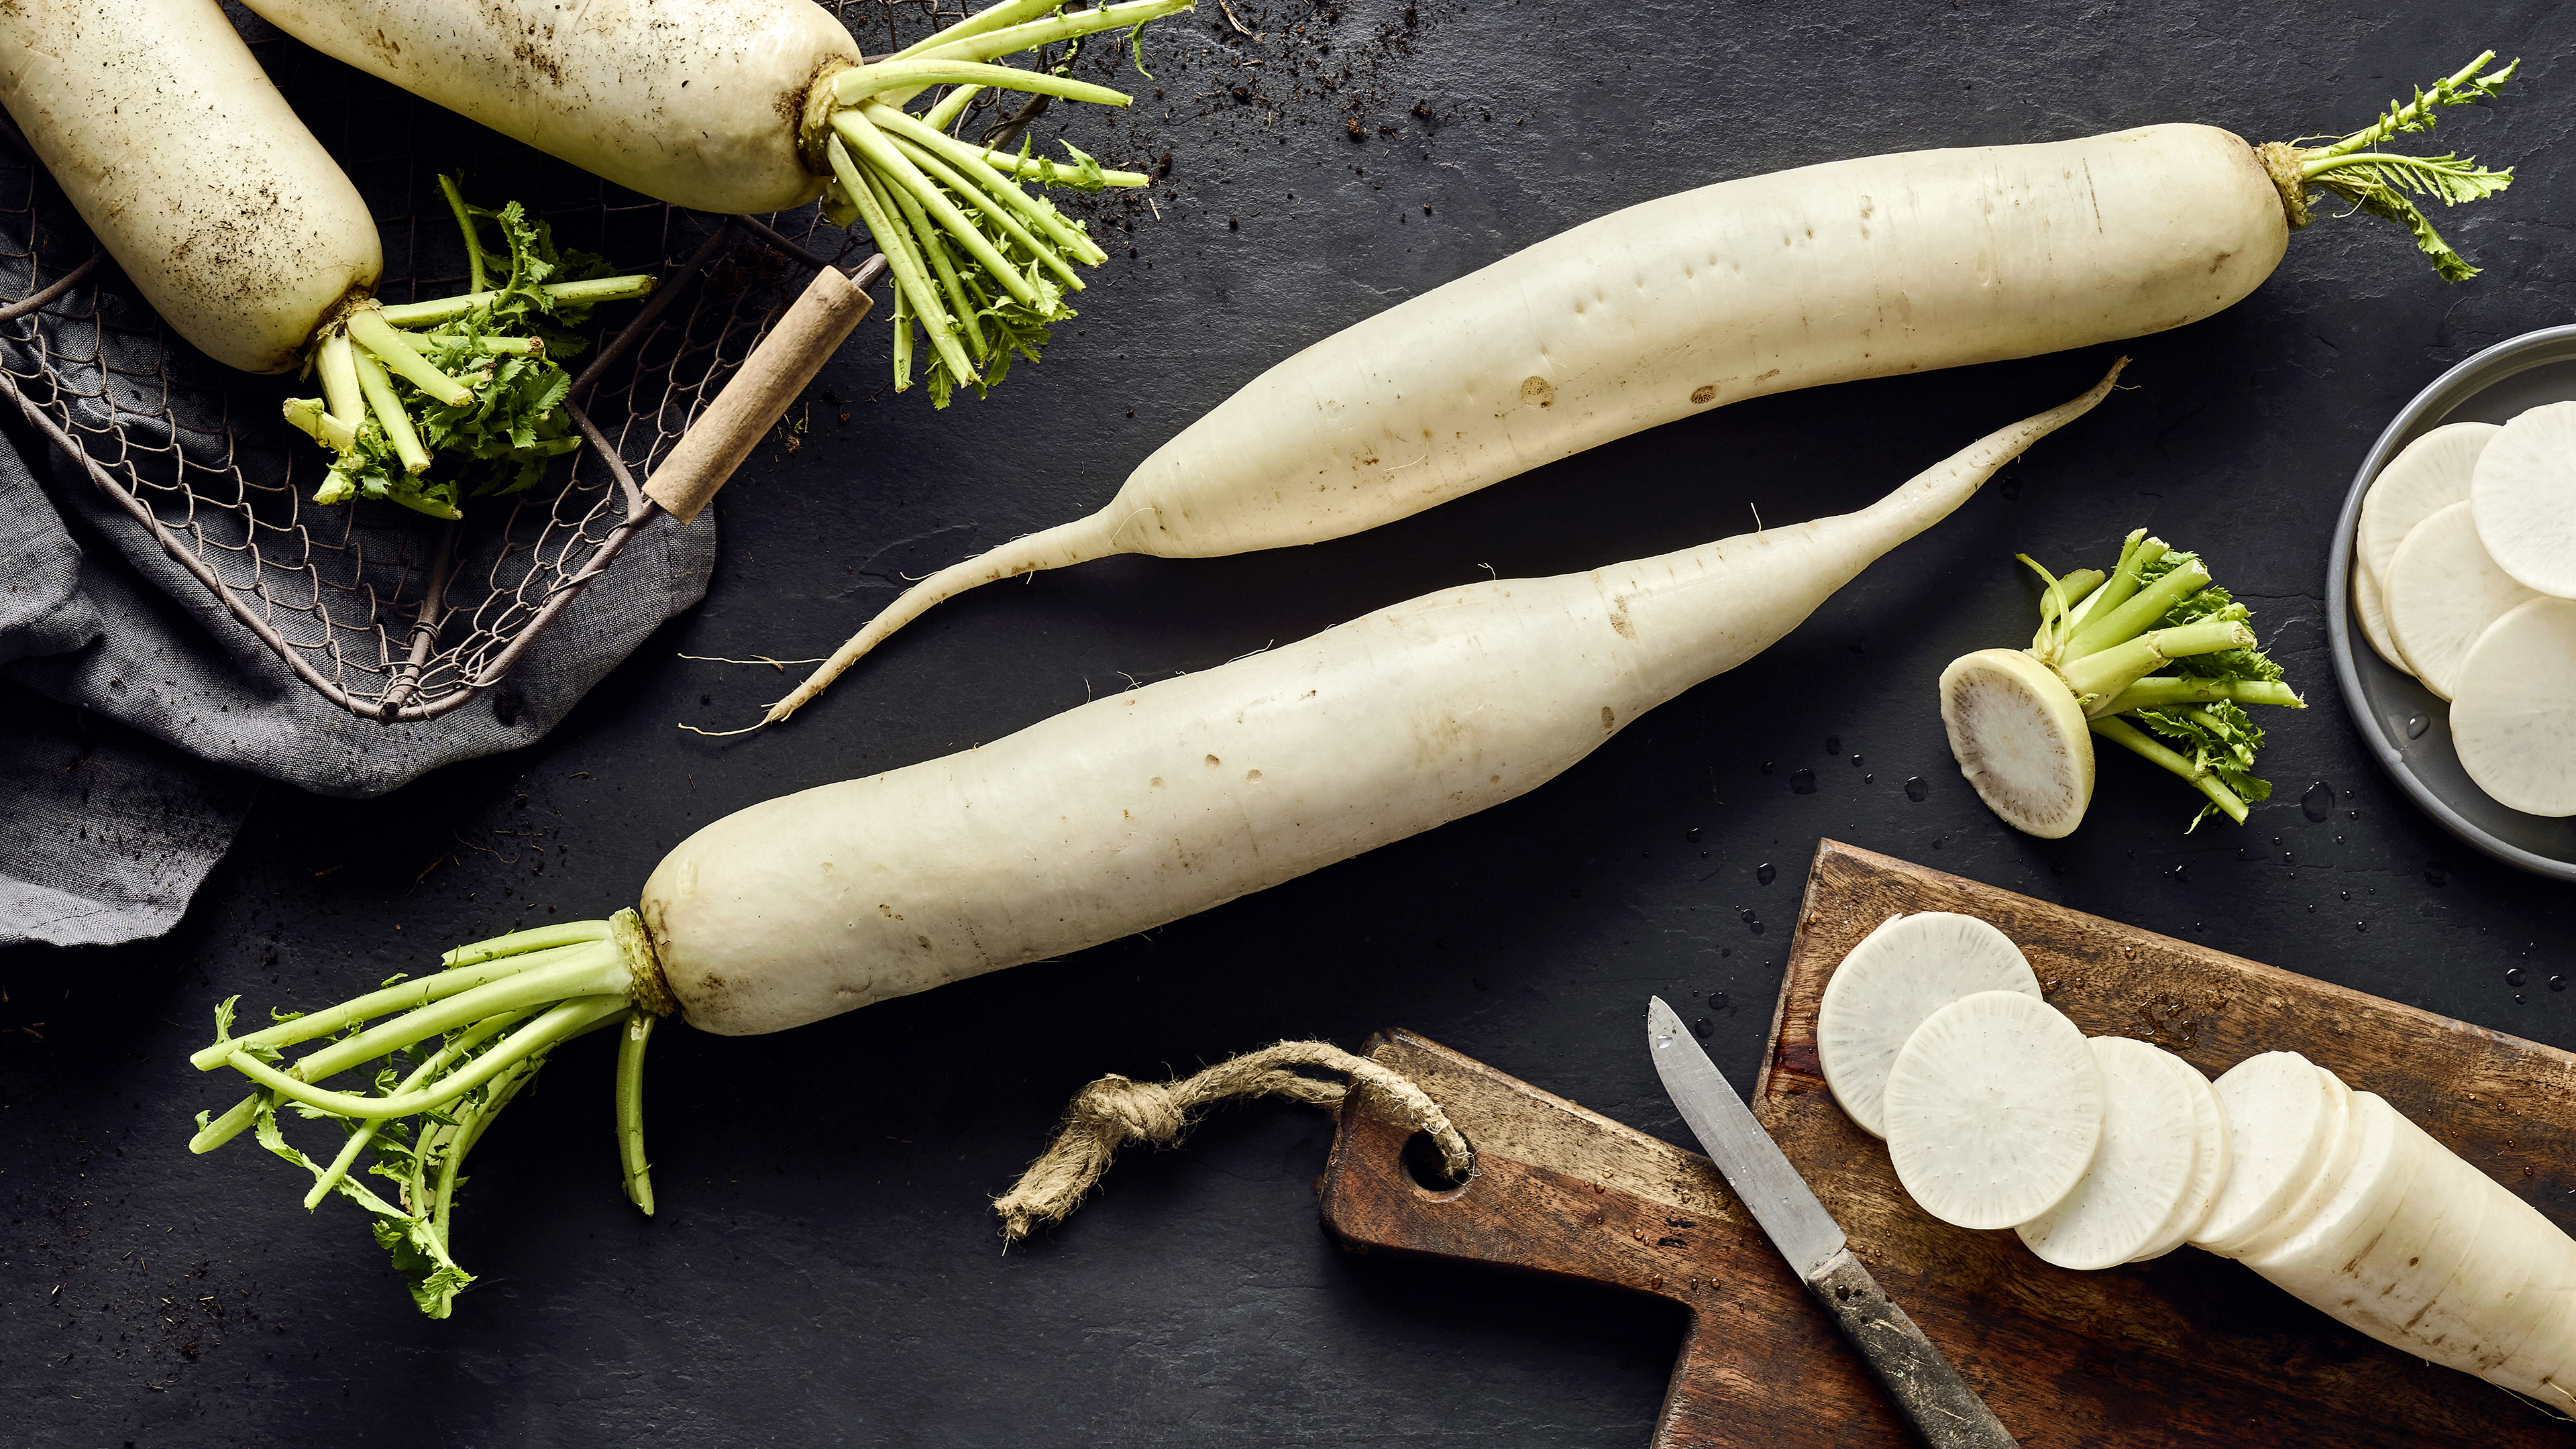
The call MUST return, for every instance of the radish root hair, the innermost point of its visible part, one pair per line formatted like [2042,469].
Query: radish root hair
[1116,1110]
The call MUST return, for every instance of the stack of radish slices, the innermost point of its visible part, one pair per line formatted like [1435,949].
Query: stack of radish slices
[1999,1113]
[2464,576]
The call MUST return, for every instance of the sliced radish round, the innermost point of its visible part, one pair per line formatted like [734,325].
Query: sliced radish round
[2371,607]
[2384,1166]
[2342,1151]
[2209,1161]
[1994,1107]
[2427,475]
[1907,969]
[2020,740]
[2139,1172]
[2280,1117]
[2513,720]
[2523,494]
[2443,592]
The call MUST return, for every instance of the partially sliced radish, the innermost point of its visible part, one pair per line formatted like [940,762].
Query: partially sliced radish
[2020,739]
[2427,475]
[2385,1163]
[2209,1161]
[2386,1279]
[2280,1119]
[1907,969]
[2523,494]
[2371,607]
[2513,720]
[1994,1107]
[2443,592]
[2342,1152]
[2139,1172]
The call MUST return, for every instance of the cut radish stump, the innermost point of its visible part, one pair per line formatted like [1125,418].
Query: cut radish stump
[1899,974]
[2020,739]
[1994,1107]
[2443,592]
[2514,718]
[2371,608]
[2427,476]
[2209,1161]
[2139,1173]
[2280,1117]
[2523,495]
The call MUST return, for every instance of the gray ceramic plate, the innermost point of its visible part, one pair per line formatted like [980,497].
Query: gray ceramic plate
[2406,726]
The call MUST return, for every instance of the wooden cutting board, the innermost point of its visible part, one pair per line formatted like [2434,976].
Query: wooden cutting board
[2190,1350]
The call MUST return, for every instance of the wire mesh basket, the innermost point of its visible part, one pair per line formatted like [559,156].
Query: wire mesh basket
[385,612]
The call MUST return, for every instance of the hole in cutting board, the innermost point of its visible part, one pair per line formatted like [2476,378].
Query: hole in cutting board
[1422,1163]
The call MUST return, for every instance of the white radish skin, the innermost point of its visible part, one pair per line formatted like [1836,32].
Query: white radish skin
[2209,1161]
[2278,1116]
[2427,476]
[1853,269]
[1151,805]
[693,102]
[190,169]
[2514,718]
[1994,1110]
[2139,1173]
[1908,968]
[2443,592]
[2523,495]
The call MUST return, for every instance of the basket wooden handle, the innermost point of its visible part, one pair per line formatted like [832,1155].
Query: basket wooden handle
[757,395]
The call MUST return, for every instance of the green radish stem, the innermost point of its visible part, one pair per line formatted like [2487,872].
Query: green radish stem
[414,315]
[2100,676]
[2159,691]
[2374,181]
[2127,618]
[2123,733]
[630,1108]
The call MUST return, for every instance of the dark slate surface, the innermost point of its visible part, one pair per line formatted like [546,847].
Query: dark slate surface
[823,1270]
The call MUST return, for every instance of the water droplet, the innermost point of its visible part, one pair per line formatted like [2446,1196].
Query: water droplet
[2416,725]
[1765,873]
[1869,779]
[2196,925]
[1692,835]
[1855,759]
[1726,950]
[1833,744]
[2513,976]
[1717,1001]
[2312,910]
[2517,998]
[1757,928]
[1916,789]
[2557,983]
[1701,1027]
[2436,873]
[2286,857]
[2354,814]
[2361,925]
[2318,802]
[2347,895]
[1802,782]
[2182,873]
[1766,767]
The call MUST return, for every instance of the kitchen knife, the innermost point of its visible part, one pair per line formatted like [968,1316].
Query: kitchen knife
[1940,1405]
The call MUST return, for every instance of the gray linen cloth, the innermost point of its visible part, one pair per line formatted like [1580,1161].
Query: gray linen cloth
[138,719]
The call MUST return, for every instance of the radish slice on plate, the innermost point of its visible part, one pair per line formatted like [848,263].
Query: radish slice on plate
[2371,607]
[2209,1161]
[1994,1107]
[2513,720]
[2020,739]
[2523,495]
[2280,1117]
[2443,592]
[1907,969]
[2139,1173]
[2427,476]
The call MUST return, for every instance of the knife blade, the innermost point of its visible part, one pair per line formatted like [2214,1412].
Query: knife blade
[1943,1410]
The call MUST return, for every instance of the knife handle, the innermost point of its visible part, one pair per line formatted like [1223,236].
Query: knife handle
[1943,1409]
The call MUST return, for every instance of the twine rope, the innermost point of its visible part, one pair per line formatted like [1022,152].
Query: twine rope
[1116,1110]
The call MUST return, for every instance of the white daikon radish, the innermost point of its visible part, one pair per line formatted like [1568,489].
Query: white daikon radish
[2523,496]
[2443,592]
[2020,738]
[2140,1171]
[2427,476]
[2209,1161]
[2342,1150]
[2371,607]
[1994,1108]
[2385,1162]
[2279,1116]
[2513,720]
[1899,974]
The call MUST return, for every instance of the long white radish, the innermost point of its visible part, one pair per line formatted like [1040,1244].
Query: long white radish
[2443,593]
[1114,817]
[2523,495]
[1994,1110]
[1854,269]
[190,170]
[2385,1163]
[2210,1161]
[1907,969]
[2140,1171]
[2513,720]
